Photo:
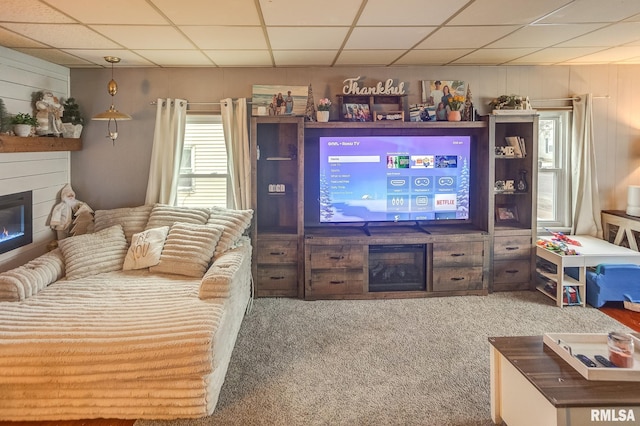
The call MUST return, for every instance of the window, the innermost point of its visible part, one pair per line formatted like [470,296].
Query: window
[554,195]
[202,181]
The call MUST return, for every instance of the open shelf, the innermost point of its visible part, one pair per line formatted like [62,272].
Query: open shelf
[38,144]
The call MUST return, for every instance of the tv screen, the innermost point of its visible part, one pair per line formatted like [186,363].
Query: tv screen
[393,178]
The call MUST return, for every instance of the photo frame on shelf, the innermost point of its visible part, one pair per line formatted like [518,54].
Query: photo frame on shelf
[421,112]
[279,99]
[506,213]
[356,112]
[434,91]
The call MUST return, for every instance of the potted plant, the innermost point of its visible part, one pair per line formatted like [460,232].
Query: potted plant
[323,110]
[72,120]
[23,124]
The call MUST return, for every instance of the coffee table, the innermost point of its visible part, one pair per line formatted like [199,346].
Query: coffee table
[531,385]
[592,252]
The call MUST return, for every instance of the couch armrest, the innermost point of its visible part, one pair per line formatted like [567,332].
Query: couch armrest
[26,280]
[228,270]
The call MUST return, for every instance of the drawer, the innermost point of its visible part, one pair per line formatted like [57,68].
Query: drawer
[454,254]
[512,247]
[512,271]
[454,279]
[277,251]
[335,281]
[336,256]
[277,280]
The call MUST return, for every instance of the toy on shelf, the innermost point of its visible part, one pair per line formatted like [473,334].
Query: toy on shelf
[559,247]
[559,236]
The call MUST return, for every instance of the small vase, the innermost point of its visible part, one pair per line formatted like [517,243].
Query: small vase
[522,185]
[22,130]
[322,116]
[454,116]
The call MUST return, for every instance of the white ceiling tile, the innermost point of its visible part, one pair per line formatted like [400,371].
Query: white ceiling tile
[110,12]
[493,12]
[221,37]
[63,36]
[145,37]
[386,37]
[13,40]
[303,13]
[594,11]
[464,37]
[55,56]
[285,58]
[608,55]
[175,58]
[323,38]
[418,12]
[240,58]
[543,35]
[368,57]
[209,12]
[554,55]
[492,56]
[30,11]
[613,35]
[127,58]
[432,56]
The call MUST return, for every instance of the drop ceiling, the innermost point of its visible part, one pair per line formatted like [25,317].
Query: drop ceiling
[291,33]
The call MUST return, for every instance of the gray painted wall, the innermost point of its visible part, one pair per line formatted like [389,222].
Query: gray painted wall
[107,176]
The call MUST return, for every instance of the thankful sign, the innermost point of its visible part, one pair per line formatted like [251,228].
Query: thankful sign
[351,87]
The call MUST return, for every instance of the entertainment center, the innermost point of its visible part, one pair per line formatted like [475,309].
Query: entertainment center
[392,209]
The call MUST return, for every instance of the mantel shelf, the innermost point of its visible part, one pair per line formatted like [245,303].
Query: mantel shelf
[38,144]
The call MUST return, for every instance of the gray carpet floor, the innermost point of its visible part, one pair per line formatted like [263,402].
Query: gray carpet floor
[379,362]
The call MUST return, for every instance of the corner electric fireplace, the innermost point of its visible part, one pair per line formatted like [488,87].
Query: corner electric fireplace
[16,225]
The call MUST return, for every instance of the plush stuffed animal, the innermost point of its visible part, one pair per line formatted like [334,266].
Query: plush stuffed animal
[62,215]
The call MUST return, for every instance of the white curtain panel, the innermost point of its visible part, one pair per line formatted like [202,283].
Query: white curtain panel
[168,140]
[584,185]
[236,136]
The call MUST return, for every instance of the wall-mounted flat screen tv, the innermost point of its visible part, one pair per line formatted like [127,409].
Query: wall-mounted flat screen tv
[393,178]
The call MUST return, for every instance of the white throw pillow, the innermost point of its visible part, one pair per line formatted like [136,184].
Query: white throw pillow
[188,249]
[91,254]
[145,248]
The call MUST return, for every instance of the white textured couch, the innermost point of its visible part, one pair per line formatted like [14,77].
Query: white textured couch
[82,338]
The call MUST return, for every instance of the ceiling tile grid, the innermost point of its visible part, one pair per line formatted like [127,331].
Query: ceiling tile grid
[291,33]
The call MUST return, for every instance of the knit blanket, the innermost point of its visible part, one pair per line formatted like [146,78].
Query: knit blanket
[120,344]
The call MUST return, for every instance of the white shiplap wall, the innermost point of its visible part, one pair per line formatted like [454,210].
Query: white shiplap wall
[45,173]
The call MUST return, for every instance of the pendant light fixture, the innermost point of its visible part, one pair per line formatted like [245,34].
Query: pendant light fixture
[112,114]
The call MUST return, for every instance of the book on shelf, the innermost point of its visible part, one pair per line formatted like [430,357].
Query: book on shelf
[518,145]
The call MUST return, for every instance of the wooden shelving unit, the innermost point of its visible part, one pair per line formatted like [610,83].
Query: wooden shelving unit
[38,144]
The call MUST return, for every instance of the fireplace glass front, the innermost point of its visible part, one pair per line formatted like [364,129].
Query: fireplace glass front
[15,221]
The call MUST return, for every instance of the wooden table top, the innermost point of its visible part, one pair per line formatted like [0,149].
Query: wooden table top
[557,380]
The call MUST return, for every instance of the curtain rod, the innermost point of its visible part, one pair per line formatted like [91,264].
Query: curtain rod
[200,103]
[575,98]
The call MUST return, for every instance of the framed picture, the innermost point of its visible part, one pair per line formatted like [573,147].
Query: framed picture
[421,112]
[506,213]
[435,92]
[356,112]
[279,99]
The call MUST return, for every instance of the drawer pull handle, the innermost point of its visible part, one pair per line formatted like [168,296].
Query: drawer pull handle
[336,257]
[511,271]
[457,278]
[277,253]
[512,248]
[457,254]
[336,282]
[277,278]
